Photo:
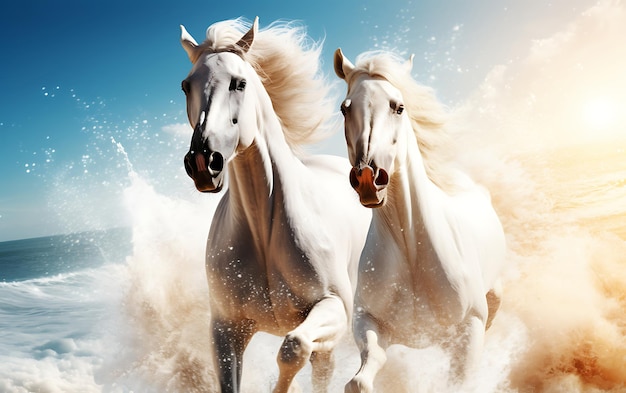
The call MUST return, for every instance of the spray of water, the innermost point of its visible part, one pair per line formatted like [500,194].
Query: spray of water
[561,327]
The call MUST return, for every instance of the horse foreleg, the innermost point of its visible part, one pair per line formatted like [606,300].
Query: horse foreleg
[466,348]
[322,367]
[320,331]
[229,342]
[373,354]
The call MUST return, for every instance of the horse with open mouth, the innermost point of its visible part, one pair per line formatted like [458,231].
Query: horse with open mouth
[285,240]
[429,270]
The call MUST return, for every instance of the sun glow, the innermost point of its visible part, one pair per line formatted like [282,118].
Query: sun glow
[600,113]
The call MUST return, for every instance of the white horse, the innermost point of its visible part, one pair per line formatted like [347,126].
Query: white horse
[429,270]
[283,248]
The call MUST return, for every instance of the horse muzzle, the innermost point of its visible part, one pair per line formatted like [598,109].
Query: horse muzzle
[206,168]
[370,184]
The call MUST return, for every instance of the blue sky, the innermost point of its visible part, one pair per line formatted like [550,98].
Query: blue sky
[77,73]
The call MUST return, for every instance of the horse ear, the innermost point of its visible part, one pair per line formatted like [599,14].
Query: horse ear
[246,41]
[343,66]
[189,44]
[409,63]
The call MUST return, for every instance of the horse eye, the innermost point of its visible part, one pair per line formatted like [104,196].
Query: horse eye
[234,85]
[345,105]
[400,109]
[185,86]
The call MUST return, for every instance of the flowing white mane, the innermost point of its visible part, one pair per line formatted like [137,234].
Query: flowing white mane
[287,62]
[427,114]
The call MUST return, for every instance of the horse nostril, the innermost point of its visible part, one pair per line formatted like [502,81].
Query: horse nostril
[382,178]
[216,162]
[354,179]
[188,164]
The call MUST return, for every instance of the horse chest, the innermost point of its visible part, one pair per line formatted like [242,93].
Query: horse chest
[237,285]
[408,290]
[274,284]
[294,283]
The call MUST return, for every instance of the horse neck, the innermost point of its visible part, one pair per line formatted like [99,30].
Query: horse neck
[412,199]
[258,174]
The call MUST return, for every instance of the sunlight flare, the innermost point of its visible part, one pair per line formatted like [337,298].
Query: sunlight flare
[600,113]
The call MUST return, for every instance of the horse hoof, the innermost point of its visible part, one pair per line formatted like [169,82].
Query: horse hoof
[358,386]
[294,350]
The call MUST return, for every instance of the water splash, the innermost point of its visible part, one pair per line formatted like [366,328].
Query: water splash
[129,165]
[561,326]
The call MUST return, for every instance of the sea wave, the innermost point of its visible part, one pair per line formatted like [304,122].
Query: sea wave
[142,325]
[57,331]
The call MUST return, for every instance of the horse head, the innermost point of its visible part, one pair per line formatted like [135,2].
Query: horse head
[373,117]
[219,107]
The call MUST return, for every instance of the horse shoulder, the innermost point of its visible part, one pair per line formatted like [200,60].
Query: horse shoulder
[475,247]
[485,233]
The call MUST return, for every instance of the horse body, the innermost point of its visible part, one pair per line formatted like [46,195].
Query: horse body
[283,247]
[429,270]
[429,251]
[270,249]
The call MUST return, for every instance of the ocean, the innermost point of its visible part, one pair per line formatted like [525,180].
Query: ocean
[125,309]
[57,297]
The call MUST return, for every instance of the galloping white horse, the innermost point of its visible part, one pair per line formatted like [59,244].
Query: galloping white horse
[285,240]
[429,269]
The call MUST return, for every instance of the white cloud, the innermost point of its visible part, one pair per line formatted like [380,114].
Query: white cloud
[565,281]
[539,101]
